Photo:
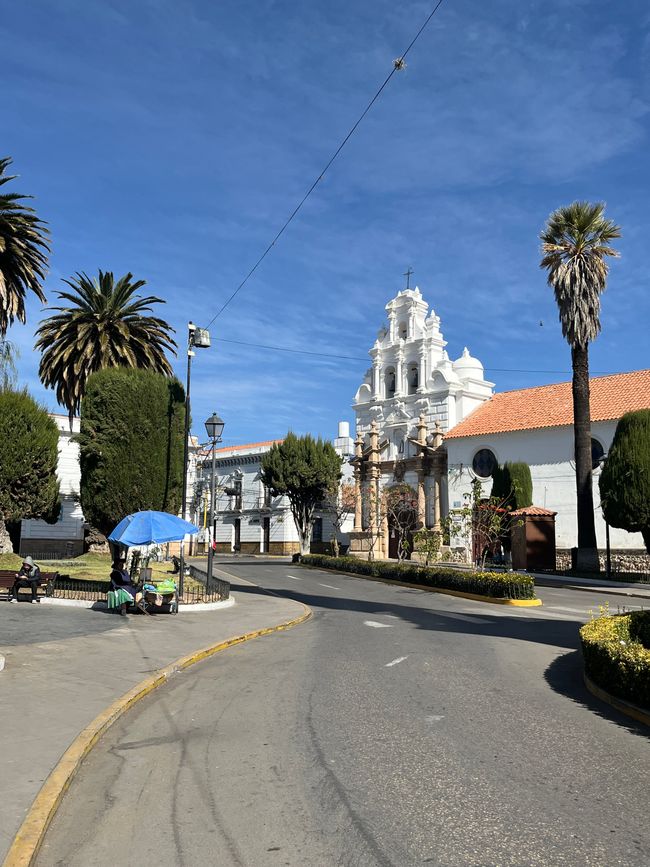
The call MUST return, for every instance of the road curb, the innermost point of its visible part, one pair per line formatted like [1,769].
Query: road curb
[590,588]
[493,600]
[29,838]
[626,707]
[101,605]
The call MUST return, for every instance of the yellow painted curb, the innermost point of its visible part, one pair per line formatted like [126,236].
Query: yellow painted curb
[620,704]
[27,841]
[493,600]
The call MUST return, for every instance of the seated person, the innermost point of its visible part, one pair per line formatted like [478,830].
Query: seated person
[28,576]
[123,592]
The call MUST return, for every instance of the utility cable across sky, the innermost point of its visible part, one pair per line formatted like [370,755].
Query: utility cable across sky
[398,65]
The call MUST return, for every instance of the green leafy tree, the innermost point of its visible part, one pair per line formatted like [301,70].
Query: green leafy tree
[104,327]
[305,470]
[513,484]
[28,459]
[131,445]
[428,543]
[23,253]
[625,479]
[575,244]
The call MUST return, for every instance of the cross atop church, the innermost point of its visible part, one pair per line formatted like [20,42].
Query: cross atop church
[407,274]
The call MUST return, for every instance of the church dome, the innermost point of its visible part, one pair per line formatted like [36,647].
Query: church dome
[468,367]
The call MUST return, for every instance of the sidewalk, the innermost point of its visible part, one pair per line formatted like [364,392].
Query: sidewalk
[614,588]
[66,665]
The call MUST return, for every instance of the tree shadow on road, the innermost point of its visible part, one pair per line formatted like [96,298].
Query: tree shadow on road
[564,676]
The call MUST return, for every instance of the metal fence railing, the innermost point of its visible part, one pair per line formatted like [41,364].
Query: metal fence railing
[215,590]
[95,591]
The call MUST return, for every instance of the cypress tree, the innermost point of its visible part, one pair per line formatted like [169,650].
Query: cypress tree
[512,484]
[625,479]
[29,440]
[131,445]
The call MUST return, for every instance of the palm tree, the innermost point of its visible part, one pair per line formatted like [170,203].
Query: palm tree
[575,242]
[104,327]
[23,248]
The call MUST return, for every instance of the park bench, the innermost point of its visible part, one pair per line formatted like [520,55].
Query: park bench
[8,576]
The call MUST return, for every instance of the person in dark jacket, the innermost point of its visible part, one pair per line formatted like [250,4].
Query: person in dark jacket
[28,576]
[121,580]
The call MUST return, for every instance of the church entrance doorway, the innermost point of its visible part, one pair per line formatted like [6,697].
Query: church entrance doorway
[401,527]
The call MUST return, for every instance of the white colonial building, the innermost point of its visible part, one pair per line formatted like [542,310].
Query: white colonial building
[248,519]
[410,397]
[433,425]
[535,425]
[65,538]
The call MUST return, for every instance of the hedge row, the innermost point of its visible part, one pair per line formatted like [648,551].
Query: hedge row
[499,585]
[615,656]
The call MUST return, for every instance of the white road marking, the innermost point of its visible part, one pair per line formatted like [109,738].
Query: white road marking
[433,718]
[294,577]
[396,661]
[377,625]
[331,586]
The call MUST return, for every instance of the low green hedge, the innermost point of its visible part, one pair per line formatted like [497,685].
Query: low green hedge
[616,655]
[498,585]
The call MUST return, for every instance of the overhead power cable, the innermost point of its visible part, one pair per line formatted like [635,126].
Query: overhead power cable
[397,66]
[334,355]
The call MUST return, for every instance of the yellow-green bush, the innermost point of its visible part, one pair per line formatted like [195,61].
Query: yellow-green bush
[615,657]
[499,585]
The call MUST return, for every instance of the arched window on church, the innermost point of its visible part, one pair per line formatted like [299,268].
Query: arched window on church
[413,378]
[389,381]
[403,330]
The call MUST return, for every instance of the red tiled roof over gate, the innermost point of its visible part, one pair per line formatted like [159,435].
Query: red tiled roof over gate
[552,406]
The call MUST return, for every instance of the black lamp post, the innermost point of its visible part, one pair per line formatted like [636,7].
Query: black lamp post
[196,337]
[214,427]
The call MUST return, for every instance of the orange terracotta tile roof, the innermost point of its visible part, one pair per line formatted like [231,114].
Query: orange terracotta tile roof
[552,406]
[247,447]
[534,510]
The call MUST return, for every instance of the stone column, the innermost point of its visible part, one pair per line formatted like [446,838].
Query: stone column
[422,373]
[437,506]
[422,496]
[399,374]
[376,378]
[358,501]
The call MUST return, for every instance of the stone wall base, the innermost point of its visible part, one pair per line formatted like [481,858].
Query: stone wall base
[55,548]
[623,560]
[276,548]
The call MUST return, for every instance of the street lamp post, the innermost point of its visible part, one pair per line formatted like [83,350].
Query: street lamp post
[214,426]
[198,337]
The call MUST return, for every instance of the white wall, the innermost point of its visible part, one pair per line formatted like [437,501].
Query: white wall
[549,453]
[71,520]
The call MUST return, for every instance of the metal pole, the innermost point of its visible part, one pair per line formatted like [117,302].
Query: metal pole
[608,562]
[186,454]
[212,533]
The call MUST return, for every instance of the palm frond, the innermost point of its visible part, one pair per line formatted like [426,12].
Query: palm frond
[102,327]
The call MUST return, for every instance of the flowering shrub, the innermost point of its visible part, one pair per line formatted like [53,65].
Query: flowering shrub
[497,585]
[615,656]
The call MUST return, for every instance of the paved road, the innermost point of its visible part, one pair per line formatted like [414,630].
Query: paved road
[397,727]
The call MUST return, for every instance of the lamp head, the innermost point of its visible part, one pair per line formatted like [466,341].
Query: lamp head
[214,426]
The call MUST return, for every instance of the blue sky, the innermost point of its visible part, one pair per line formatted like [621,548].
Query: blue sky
[172,138]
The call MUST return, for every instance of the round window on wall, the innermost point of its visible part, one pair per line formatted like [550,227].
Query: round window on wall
[484,463]
[597,454]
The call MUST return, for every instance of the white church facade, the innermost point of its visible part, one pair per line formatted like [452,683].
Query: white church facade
[435,424]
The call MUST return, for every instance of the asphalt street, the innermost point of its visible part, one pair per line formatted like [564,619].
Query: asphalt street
[396,727]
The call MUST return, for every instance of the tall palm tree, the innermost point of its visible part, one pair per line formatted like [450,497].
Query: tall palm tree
[104,327]
[575,243]
[23,253]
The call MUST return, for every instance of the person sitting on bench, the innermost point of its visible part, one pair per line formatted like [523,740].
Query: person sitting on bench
[126,593]
[29,576]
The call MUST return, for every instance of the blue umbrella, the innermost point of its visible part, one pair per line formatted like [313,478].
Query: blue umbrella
[142,528]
